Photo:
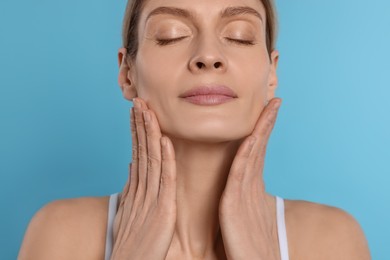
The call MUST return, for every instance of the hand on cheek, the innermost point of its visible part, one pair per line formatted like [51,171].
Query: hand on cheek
[145,222]
[245,219]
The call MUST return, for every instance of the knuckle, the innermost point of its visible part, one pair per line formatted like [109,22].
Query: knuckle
[245,156]
[269,121]
[134,151]
[142,149]
[132,124]
[166,162]
[142,158]
[263,130]
[167,178]
[153,162]
[238,174]
[154,159]
[271,118]
[152,133]
[138,120]
[134,166]
[259,158]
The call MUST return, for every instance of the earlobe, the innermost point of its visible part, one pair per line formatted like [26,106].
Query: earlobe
[125,80]
[275,58]
[273,78]
[129,91]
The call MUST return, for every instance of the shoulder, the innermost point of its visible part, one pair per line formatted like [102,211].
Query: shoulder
[319,231]
[67,229]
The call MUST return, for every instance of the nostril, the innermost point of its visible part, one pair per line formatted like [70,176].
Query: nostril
[199,65]
[217,65]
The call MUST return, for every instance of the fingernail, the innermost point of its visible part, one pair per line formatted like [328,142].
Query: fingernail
[146,116]
[277,105]
[137,104]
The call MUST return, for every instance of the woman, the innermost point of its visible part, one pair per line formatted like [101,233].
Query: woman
[202,76]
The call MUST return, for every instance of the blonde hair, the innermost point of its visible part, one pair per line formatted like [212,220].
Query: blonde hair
[133,12]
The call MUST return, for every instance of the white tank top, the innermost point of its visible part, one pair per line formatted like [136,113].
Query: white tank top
[282,235]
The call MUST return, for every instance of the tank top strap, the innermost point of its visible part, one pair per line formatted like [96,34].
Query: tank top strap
[112,209]
[282,234]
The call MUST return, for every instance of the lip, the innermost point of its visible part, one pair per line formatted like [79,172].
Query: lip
[218,90]
[208,100]
[209,95]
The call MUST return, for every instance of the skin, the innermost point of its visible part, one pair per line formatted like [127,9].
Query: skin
[202,196]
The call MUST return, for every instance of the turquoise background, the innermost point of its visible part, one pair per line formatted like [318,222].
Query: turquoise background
[65,126]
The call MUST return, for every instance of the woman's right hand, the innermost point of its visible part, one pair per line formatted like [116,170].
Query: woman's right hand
[146,217]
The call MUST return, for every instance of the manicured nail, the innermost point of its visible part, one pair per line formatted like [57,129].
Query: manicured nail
[146,116]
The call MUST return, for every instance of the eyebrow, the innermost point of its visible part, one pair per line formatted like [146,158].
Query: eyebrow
[226,13]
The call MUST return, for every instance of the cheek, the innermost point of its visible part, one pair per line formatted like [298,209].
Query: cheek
[254,86]
[253,74]
[156,88]
[152,80]
[156,72]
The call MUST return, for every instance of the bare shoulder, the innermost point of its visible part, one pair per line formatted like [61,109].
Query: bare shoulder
[318,231]
[67,229]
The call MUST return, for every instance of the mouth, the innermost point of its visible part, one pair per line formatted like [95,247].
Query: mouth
[209,95]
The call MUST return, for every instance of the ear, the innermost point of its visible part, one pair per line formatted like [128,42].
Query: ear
[273,78]
[126,78]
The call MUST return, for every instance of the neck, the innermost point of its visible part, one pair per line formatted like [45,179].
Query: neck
[202,171]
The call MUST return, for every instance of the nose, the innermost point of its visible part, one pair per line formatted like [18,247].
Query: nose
[208,56]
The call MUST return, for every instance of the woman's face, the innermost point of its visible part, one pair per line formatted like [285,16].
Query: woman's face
[210,49]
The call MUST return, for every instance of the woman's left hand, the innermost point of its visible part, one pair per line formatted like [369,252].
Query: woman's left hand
[245,219]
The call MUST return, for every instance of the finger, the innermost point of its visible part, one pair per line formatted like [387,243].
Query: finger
[142,153]
[263,132]
[240,164]
[134,164]
[265,122]
[250,155]
[153,135]
[167,192]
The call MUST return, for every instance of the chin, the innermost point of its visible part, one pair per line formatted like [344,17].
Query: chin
[207,135]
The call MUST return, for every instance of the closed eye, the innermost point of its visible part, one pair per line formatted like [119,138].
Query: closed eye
[163,42]
[244,42]
[168,41]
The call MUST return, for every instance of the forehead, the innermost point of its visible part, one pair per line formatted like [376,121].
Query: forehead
[199,9]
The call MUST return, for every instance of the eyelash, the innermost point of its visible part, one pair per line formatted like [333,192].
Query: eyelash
[168,41]
[244,42]
[163,42]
